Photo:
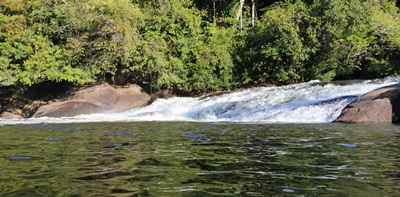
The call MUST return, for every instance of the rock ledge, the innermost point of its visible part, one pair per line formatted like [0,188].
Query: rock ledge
[381,106]
[97,99]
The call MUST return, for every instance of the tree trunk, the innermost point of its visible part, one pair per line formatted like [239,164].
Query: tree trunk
[253,12]
[215,10]
[240,14]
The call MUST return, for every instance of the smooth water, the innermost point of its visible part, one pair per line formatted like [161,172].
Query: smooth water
[199,159]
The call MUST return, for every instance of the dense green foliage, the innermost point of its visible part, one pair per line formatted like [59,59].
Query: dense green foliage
[299,41]
[196,46]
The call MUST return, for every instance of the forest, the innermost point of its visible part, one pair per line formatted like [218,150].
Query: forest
[195,46]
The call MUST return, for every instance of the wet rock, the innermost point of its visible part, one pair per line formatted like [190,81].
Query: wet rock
[97,99]
[374,111]
[166,93]
[378,106]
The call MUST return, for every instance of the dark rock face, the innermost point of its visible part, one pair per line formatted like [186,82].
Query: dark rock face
[167,93]
[18,109]
[98,99]
[378,106]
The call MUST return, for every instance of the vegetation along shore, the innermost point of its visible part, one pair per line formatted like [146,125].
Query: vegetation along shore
[50,47]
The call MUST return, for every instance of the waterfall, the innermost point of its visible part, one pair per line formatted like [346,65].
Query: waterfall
[311,102]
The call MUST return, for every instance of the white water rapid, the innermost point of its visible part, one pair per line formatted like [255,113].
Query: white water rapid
[311,102]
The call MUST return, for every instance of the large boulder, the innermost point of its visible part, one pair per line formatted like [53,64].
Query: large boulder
[97,99]
[378,106]
[10,115]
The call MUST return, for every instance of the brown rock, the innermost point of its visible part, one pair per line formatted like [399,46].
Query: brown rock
[130,97]
[30,108]
[378,106]
[71,108]
[10,115]
[166,93]
[97,99]
[374,111]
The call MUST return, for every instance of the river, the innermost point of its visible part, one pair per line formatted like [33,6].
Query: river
[266,141]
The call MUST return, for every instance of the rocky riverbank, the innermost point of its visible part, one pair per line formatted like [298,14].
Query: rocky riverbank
[378,106]
[101,98]
[58,101]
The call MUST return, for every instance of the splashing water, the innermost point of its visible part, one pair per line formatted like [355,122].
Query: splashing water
[311,102]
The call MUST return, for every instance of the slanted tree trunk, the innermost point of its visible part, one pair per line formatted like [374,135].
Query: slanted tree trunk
[239,14]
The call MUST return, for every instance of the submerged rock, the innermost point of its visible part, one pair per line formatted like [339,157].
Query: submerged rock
[97,99]
[378,106]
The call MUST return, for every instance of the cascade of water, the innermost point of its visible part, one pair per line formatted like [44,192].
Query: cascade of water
[311,102]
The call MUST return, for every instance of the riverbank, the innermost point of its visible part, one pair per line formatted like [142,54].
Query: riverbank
[311,102]
[92,98]
[14,104]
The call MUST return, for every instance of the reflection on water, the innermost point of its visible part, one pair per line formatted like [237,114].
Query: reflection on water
[199,159]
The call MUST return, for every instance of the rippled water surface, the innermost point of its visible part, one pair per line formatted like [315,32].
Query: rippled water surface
[199,159]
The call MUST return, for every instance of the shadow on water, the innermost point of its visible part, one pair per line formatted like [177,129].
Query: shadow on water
[199,159]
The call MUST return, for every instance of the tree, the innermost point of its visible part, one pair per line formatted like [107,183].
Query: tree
[323,39]
[27,55]
[196,46]
[181,51]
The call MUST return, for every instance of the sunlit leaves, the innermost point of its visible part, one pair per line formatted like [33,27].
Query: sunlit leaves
[322,39]
[181,51]
[27,54]
[195,46]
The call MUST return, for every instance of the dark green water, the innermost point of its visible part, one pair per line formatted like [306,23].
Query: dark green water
[199,159]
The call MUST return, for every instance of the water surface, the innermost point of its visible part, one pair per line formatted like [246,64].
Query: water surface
[199,159]
[247,143]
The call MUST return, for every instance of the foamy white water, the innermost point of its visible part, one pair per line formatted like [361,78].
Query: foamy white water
[311,102]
